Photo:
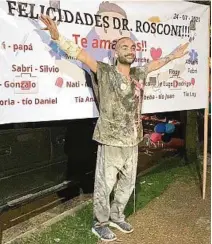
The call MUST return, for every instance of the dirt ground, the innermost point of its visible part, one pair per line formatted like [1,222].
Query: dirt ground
[178,216]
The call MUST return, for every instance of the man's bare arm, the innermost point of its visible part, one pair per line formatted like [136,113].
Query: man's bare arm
[157,64]
[177,53]
[68,46]
[85,58]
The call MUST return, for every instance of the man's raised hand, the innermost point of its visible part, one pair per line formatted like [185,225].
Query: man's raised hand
[50,26]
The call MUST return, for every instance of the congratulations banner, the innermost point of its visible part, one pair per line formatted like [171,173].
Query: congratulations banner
[39,82]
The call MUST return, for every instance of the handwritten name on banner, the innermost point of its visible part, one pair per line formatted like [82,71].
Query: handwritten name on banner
[40,80]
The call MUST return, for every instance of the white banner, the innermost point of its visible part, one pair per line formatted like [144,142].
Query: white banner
[38,82]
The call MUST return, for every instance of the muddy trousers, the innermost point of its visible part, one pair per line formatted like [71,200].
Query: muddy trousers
[115,170]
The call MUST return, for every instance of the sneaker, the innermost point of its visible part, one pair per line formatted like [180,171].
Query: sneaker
[122,226]
[104,233]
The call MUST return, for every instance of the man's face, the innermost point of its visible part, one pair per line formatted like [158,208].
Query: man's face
[126,51]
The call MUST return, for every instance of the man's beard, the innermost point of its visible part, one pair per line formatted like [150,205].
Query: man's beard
[123,60]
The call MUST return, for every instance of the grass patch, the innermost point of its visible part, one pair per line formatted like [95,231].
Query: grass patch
[77,229]
[71,230]
[154,183]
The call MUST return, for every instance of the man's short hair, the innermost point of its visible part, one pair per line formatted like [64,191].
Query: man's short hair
[111,7]
[120,39]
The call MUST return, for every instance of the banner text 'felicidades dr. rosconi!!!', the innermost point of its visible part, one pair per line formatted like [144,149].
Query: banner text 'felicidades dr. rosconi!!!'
[39,82]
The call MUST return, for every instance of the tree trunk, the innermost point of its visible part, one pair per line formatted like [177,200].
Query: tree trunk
[191,136]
